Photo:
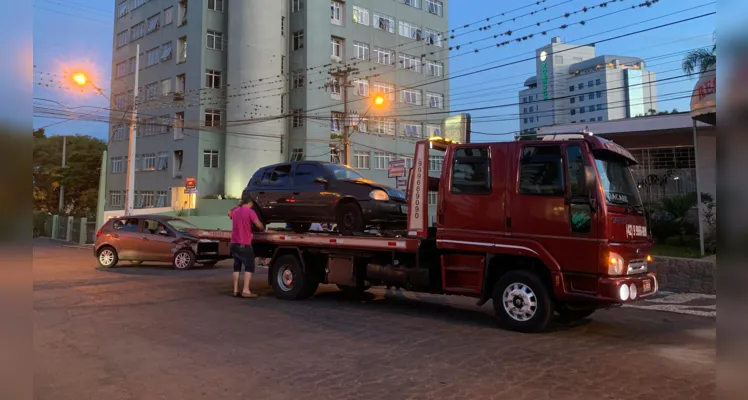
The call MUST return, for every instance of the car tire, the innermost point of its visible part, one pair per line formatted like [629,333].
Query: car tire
[571,314]
[288,280]
[301,227]
[183,259]
[107,257]
[350,219]
[522,302]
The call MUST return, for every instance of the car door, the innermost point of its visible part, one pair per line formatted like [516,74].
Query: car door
[309,203]
[124,236]
[156,241]
[275,194]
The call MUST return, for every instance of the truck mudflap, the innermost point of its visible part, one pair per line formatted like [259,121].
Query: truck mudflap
[610,289]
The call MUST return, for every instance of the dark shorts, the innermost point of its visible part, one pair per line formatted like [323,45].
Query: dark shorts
[243,254]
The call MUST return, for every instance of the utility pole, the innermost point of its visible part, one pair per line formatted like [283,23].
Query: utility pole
[61,204]
[130,185]
[340,80]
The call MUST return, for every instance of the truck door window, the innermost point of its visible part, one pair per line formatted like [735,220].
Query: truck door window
[576,170]
[470,171]
[541,172]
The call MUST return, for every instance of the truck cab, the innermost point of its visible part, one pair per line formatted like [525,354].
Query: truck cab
[561,214]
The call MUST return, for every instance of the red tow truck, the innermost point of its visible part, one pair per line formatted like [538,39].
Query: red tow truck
[537,226]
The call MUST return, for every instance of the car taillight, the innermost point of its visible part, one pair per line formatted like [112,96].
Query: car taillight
[98,233]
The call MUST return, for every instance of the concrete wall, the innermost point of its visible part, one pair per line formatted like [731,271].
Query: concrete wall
[215,207]
[684,275]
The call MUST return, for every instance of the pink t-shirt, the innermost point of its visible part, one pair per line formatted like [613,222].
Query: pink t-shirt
[242,219]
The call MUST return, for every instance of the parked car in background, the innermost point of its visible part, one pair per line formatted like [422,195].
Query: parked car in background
[305,192]
[154,238]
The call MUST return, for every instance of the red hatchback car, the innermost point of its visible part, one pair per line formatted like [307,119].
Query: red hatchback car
[154,238]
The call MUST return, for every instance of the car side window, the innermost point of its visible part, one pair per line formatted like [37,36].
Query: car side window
[279,176]
[471,173]
[125,225]
[155,228]
[306,174]
[257,177]
[541,171]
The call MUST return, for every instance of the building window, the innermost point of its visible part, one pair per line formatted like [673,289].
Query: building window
[470,171]
[151,91]
[165,124]
[166,87]
[215,40]
[213,79]
[360,51]
[432,37]
[411,96]
[298,118]
[525,120]
[541,171]
[435,163]
[590,83]
[384,22]
[436,100]
[283,26]
[336,13]
[410,30]
[336,122]
[434,68]
[590,96]
[149,162]
[161,198]
[182,49]
[599,94]
[361,159]
[598,81]
[210,158]
[573,111]
[581,110]
[154,23]
[115,198]
[571,88]
[409,62]
[146,199]
[591,108]
[361,15]
[298,40]
[181,86]
[362,87]
[297,154]
[123,8]
[581,98]
[212,117]
[152,56]
[179,125]
[336,52]
[582,120]
[433,196]
[131,65]
[599,118]
[215,5]
[384,89]
[572,100]
[166,51]
[382,126]
[411,129]
[297,79]
[121,69]
[599,107]
[383,56]
[297,5]
[118,133]
[117,166]
[435,7]
[122,38]
[137,31]
[412,3]
[382,160]
[433,130]
[169,16]
[580,86]
[182,12]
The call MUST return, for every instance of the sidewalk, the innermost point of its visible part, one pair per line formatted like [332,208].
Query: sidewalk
[703,305]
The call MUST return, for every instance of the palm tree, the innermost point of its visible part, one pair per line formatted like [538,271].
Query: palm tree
[699,60]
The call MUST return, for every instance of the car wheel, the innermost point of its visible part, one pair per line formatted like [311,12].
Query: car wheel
[302,227]
[184,259]
[288,280]
[107,257]
[522,302]
[350,219]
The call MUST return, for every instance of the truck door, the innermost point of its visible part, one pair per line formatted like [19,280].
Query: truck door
[547,209]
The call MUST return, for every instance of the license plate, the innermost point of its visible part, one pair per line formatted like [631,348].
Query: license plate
[646,286]
[404,209]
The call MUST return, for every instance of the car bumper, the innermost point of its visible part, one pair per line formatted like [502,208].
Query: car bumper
[610,289]
[384,211]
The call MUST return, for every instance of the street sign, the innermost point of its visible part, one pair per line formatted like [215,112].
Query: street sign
[190,183]
[457,128]
[396,169]
[401,183]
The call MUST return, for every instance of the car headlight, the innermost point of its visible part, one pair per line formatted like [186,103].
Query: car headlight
[615,264]
[378,194]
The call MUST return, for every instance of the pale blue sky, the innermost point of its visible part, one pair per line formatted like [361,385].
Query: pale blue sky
[78,33]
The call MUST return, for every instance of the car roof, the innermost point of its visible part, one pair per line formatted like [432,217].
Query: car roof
[147,216]
[297,162]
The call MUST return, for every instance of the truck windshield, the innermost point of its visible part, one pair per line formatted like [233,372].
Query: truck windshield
[615,177]
[343,172]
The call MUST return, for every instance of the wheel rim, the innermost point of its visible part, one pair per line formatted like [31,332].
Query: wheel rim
[520,302]
[106,257]
[182,260]
[349,220]
[285,278]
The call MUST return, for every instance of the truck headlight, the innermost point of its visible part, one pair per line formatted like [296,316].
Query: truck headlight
[378,194]
[615,264]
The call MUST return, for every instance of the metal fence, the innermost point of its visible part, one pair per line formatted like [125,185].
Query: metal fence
[90,231]
[664,172]
[62,228]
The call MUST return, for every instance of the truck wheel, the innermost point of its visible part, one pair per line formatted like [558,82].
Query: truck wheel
[302,227]
[569,313]
[289,281]
[107,257]
[183,259]
[350,219]
[522,302]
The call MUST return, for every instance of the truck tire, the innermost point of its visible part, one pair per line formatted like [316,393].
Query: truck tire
[570,314]
[288,280]
[522,302]
[350,219]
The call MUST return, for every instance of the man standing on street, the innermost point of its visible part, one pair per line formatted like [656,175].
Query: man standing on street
[242,219]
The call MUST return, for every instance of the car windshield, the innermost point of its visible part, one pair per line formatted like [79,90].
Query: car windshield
[181,225]
[618,183]
[343,172]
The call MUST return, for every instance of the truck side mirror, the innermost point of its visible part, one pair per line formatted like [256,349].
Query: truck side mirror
[321,180]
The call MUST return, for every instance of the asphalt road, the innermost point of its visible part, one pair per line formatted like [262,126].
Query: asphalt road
[150,332]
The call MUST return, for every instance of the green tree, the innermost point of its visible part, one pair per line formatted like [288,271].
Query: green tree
[80,175]
[699,60]
[678,208]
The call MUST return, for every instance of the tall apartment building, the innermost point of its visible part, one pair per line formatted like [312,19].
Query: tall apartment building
[217,75]
[572,85]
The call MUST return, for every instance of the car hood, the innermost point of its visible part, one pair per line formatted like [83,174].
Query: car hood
[392,192]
